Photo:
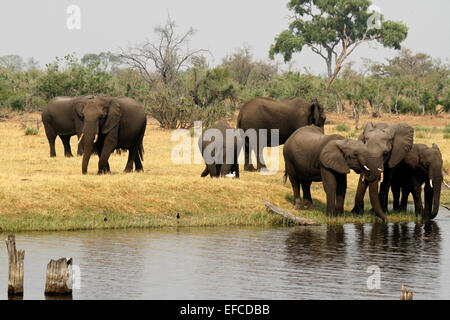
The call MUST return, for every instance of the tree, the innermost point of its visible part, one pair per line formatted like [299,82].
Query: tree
[12,62]
[333,29]
[168,55]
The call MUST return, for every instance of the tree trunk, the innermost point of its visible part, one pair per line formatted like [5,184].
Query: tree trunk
[15,278]
[59,277]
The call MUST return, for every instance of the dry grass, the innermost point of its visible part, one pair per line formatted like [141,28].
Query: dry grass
[42,193]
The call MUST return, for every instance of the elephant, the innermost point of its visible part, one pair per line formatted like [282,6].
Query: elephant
[310,155]
[112,123]
[208,142]
[60,119]
[422,165]
[265,113]
[388,145]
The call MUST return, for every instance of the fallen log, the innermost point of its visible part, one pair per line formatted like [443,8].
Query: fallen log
[446,207]
[286,214]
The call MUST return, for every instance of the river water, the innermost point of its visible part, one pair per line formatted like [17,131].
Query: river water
[321,262]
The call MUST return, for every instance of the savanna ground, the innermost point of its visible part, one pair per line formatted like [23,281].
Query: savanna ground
[42,193]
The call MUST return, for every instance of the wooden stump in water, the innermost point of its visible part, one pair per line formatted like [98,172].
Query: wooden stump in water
[59,277]
[15,274]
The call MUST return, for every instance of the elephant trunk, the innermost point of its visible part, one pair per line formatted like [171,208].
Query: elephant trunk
[375,201]
[90,134]
[436,179]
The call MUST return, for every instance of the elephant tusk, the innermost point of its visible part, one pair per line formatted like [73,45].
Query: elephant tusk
[381,170]
[431,183]
[367,168]
[95,139]
[81,137]
[381,177]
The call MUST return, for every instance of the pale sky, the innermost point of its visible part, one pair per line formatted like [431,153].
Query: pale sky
[38,28]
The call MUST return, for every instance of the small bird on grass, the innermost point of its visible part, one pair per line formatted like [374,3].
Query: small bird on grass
[105,219]
[178,217]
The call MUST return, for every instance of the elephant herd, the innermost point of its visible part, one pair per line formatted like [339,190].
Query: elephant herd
[382,153]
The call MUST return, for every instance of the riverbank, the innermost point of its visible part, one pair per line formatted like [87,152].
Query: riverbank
[39,193]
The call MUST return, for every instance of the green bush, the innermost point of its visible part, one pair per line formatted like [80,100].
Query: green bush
[420,135]
[446,135]
[17,102]
[31,131]
[342,127]
[406,106]
[446,129]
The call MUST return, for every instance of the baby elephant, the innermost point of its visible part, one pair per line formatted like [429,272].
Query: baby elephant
[220,146]
[310,155]
[422,165]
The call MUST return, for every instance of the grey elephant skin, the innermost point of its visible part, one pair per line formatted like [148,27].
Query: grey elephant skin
[421,166]
[310,155]
[111,123]
[387,145]
[60,118]
[214,169]
[286,116]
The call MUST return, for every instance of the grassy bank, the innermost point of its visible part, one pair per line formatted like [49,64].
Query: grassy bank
[40,193]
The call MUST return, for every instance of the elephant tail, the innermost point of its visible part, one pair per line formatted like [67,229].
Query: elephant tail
[285,176]
[141,152]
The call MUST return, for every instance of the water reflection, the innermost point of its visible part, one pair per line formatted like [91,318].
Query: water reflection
[321,262]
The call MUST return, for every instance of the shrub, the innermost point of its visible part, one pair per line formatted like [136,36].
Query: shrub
[31,131]
[446,129]
[17,102]
[420,135]
[446,135]
[406,106]
[342,127]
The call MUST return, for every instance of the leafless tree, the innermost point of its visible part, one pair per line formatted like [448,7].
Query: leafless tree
[163,58]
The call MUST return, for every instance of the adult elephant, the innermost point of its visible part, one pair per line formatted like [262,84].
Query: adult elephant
[112,123]
[265,114]
[60,118]
[422,165]
[310,155]
[388,145]
[220,146]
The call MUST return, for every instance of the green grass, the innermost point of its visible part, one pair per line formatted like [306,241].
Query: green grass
[342,127]
[446,129]
[422,129]
[446,135]
[31,131]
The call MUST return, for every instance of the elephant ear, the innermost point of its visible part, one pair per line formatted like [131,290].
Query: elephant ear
[402,143]
[369,127]
[332,156]
[317,113]
[114,113]
[78,108]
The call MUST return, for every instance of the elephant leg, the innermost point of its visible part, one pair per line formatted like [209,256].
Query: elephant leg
[359,197]
[396,196]
[405,194]
[330,186]
[138,163]
[205,172]
[260,159]
[296,190]
[104,154]
[66,142]
[235,168]
[306,187]
[212,169]
[417,195]
[248,166]
[51,137]
[341,189]
[132,155]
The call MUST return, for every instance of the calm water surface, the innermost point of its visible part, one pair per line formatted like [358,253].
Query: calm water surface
[323,262]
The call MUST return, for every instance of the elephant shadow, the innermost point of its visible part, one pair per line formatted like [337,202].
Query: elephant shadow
[317,205]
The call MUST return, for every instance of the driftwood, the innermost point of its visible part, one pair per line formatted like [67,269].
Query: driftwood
[15,274]
[286,214]
[446,207]
[59,277]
